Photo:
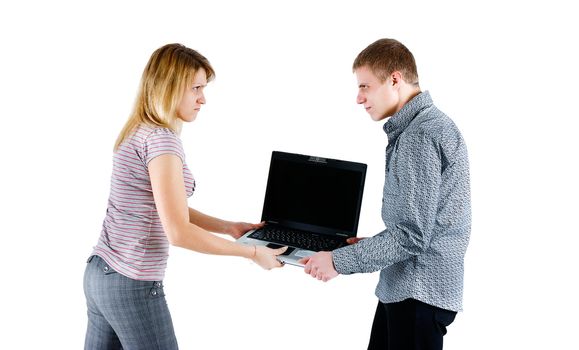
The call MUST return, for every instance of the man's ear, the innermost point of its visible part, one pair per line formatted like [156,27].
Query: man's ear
[396,78]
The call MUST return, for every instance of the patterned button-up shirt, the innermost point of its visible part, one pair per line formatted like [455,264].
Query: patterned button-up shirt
[426,210]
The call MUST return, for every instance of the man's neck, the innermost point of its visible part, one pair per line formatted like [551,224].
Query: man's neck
[407,93]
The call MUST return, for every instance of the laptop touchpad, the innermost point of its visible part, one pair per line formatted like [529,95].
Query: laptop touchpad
[275,246]
[304,253]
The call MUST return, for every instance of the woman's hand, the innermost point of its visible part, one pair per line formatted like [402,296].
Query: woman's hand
[238,229]
[267,257]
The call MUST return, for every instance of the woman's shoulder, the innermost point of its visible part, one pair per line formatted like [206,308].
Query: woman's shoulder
[146,137]
[155,140]
[145,131]
[145,134]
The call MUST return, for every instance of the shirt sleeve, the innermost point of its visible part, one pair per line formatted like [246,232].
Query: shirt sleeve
[162,141]
[418,170]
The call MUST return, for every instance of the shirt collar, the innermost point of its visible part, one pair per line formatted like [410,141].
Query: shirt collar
[401,119]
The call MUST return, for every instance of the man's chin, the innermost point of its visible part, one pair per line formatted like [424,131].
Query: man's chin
[378,118]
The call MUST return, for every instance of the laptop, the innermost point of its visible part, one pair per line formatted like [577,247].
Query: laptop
[311,204]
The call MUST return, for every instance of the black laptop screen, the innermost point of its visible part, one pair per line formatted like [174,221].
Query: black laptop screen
[318,193]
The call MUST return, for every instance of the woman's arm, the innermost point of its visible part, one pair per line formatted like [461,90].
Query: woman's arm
[213,224]
[166,173]
[207,222]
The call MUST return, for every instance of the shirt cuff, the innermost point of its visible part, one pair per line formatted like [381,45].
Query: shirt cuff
[345,260]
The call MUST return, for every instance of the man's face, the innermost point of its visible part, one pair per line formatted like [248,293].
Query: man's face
[380,99]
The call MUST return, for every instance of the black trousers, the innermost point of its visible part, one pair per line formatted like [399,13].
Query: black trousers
[409,325]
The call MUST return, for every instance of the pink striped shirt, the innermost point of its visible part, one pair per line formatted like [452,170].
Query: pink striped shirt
[132,239]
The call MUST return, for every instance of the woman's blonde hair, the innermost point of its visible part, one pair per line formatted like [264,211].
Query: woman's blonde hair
[167,74]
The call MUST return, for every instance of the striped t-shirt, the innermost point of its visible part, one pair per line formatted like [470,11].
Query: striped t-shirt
[132,239]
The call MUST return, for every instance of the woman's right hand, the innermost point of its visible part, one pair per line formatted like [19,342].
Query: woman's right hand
[267,257]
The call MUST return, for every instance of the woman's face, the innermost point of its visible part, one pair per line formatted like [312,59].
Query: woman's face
[193,97]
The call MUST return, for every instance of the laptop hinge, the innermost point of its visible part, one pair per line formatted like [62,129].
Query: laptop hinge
[341,234]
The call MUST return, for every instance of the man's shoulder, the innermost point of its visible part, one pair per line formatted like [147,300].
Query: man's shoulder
[431,126]
[433,123]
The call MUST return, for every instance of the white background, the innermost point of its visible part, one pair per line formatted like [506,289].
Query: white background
[506,72]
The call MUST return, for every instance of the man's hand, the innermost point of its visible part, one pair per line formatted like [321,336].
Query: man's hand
[354,240]
[320,266]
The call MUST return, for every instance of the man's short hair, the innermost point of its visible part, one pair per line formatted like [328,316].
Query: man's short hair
[385,56]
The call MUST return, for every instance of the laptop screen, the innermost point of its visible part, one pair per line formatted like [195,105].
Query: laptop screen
[312,193]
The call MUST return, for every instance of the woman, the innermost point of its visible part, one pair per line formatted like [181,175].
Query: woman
[147,211]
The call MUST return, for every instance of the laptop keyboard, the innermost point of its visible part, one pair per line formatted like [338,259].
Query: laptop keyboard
[300,239]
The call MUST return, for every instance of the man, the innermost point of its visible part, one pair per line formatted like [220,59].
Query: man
[426,208]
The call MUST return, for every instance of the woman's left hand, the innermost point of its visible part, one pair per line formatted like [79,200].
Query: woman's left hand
[238,229]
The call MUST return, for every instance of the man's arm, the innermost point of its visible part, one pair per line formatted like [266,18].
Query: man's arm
[418,169]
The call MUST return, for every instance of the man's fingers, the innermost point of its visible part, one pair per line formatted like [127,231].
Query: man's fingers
[354,240]
[314,272]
